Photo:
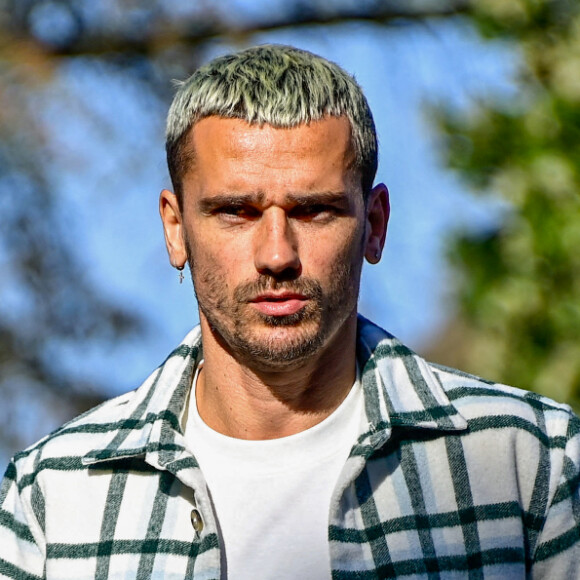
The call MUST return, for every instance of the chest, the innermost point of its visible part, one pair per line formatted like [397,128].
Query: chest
[409,510]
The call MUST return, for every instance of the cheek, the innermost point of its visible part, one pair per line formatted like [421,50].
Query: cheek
[323,252]
[216,268]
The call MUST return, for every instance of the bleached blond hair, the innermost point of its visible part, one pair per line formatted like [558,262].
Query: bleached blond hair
[270,84]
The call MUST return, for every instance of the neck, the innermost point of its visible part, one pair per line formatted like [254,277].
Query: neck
[248,403]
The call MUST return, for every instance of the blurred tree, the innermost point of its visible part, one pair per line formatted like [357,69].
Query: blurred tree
[48,301]
[519,286]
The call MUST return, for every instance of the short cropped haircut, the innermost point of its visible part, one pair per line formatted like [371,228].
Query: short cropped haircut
[277,85]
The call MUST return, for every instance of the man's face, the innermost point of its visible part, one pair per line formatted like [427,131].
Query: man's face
[275,230]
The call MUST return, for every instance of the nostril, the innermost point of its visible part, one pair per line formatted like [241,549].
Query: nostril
[277,257]
[285,275]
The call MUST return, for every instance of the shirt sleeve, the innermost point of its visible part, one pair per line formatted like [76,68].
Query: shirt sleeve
[557,553]
[21,552]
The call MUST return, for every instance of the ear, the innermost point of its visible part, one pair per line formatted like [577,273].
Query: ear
[173,228]
[377,218]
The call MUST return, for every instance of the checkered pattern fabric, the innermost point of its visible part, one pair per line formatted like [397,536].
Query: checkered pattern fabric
[451,477]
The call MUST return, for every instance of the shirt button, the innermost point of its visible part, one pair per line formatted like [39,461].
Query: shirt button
[196,521]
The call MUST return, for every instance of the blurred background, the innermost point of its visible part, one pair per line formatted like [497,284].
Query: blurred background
[477,106]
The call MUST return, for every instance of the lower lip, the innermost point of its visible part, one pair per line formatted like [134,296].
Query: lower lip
[279,308]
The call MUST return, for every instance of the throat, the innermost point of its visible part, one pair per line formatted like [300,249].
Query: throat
[250,408]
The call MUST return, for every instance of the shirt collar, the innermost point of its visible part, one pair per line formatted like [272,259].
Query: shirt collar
[400,390]
[150,421]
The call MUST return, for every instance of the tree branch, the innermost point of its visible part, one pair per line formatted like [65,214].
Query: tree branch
[204,30]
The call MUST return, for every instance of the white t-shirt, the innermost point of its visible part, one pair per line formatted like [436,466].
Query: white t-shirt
[272,497]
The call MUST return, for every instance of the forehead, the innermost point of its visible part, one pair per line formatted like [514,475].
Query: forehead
[217,141]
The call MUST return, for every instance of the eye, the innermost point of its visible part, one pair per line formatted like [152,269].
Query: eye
[314,212]
[237,213]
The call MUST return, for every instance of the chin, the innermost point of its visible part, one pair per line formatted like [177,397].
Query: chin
[281,347]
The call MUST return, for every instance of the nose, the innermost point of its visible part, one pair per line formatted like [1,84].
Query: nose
[276,251]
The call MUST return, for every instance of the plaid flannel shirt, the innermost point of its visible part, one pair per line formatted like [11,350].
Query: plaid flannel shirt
[451,477]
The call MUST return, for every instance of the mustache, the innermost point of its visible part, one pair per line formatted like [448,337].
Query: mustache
[305,286]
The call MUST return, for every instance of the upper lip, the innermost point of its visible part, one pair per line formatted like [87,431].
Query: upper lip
[278,296]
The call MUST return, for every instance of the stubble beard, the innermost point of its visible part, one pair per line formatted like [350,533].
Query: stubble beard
[275,342]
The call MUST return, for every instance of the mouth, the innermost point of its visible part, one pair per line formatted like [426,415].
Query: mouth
[279,304]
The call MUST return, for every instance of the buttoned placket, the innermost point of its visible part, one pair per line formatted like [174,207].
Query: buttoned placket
[196,519]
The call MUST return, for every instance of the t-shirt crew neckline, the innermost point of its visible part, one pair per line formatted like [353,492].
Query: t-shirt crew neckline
[321,440]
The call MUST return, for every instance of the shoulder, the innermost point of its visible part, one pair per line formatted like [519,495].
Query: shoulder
[484,404]
[124,418]
[64,448]
[490,406]
[463,389]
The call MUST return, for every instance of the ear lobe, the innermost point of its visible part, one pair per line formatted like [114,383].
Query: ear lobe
[377,215]
[172,228]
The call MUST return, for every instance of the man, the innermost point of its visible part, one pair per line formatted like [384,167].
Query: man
[286,437]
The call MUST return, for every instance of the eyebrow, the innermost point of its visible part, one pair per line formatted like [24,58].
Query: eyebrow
[318,197]
[210,204]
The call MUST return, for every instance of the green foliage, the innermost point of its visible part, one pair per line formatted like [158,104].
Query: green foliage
[519,286]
